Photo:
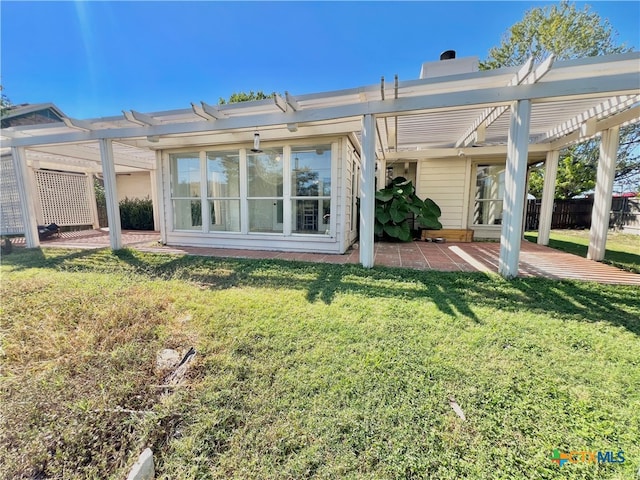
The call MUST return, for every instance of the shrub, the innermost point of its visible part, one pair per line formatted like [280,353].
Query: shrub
[136,214]
[395,203]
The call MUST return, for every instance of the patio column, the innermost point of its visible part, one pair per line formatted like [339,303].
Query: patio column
[514,189]
[111,193]
[548,195]
[602,197]
[158,199]
[27,195]
[367,190]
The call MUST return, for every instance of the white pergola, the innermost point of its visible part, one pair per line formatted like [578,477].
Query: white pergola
[526,114]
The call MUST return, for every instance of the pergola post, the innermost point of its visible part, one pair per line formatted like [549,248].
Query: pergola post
[367,190]
[602,197]
[154,199]
[27,196]
[111,193]
[514,184]
[548,196]
[158,209]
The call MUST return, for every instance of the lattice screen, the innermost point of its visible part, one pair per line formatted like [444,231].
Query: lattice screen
[64,198]
[10,212]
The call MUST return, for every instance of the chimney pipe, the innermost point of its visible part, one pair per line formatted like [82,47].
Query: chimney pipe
[448,55]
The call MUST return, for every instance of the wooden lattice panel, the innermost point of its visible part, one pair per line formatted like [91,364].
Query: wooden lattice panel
[64,198]
[11,222]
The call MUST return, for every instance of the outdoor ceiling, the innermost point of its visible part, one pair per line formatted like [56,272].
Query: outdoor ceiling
[412,117]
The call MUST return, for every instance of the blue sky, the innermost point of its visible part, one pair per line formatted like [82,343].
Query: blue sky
[95,59]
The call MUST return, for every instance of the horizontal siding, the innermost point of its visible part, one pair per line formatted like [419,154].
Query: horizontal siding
[444,181]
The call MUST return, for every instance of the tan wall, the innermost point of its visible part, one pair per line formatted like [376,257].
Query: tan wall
[134,185]
[445,181]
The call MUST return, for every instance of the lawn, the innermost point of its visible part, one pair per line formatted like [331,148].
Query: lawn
[310,370]
[622,251]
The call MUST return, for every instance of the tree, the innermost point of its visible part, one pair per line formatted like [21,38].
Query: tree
[246,97]
[562,30]
[5,103]
[569,33]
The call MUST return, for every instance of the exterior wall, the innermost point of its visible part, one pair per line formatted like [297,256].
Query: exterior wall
[133,185]
[446,181]
[339,235]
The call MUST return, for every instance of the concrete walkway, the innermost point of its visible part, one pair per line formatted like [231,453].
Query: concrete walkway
[535,260]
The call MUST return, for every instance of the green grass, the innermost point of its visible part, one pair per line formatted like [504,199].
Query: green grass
[622,251]
[310,370]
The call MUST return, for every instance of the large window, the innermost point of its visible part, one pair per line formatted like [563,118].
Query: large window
[283,190]
[311,189]
[223,191]
[265,191]
[185,191]
[489,195]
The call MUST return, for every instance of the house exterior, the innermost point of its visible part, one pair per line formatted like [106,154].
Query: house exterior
[299,173]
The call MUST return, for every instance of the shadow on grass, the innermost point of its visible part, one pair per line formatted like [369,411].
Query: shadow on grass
[624,260]
[454,293]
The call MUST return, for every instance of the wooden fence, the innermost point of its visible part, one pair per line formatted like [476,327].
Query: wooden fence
[576,213]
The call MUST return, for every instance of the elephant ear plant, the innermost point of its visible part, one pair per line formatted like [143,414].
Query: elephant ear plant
[393,206]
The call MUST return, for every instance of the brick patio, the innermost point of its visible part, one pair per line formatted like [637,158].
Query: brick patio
[535,260]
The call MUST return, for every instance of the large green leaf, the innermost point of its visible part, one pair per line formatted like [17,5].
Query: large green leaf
[384,195]
[398,211]
[382,214]
[378,228]
[431,222]
[432,207]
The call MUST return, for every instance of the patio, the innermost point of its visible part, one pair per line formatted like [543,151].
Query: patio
[535,260]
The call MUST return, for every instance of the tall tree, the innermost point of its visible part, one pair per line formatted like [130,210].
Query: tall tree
[567,32]
[238,97]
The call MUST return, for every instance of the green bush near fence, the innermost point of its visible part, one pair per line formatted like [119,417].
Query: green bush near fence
[136,214]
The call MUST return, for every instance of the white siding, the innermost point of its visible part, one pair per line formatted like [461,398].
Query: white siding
[134,185]
[445,181]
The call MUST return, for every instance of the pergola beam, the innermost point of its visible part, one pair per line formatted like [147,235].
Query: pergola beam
[607,108]
[525,76]
[484,117]
[449,101]
[292,102]
[140,118]
[280,102]
[630,115]
[77,124]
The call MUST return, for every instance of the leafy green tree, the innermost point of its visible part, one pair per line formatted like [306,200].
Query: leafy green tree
[562,30]
[238,97]
[567,32]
